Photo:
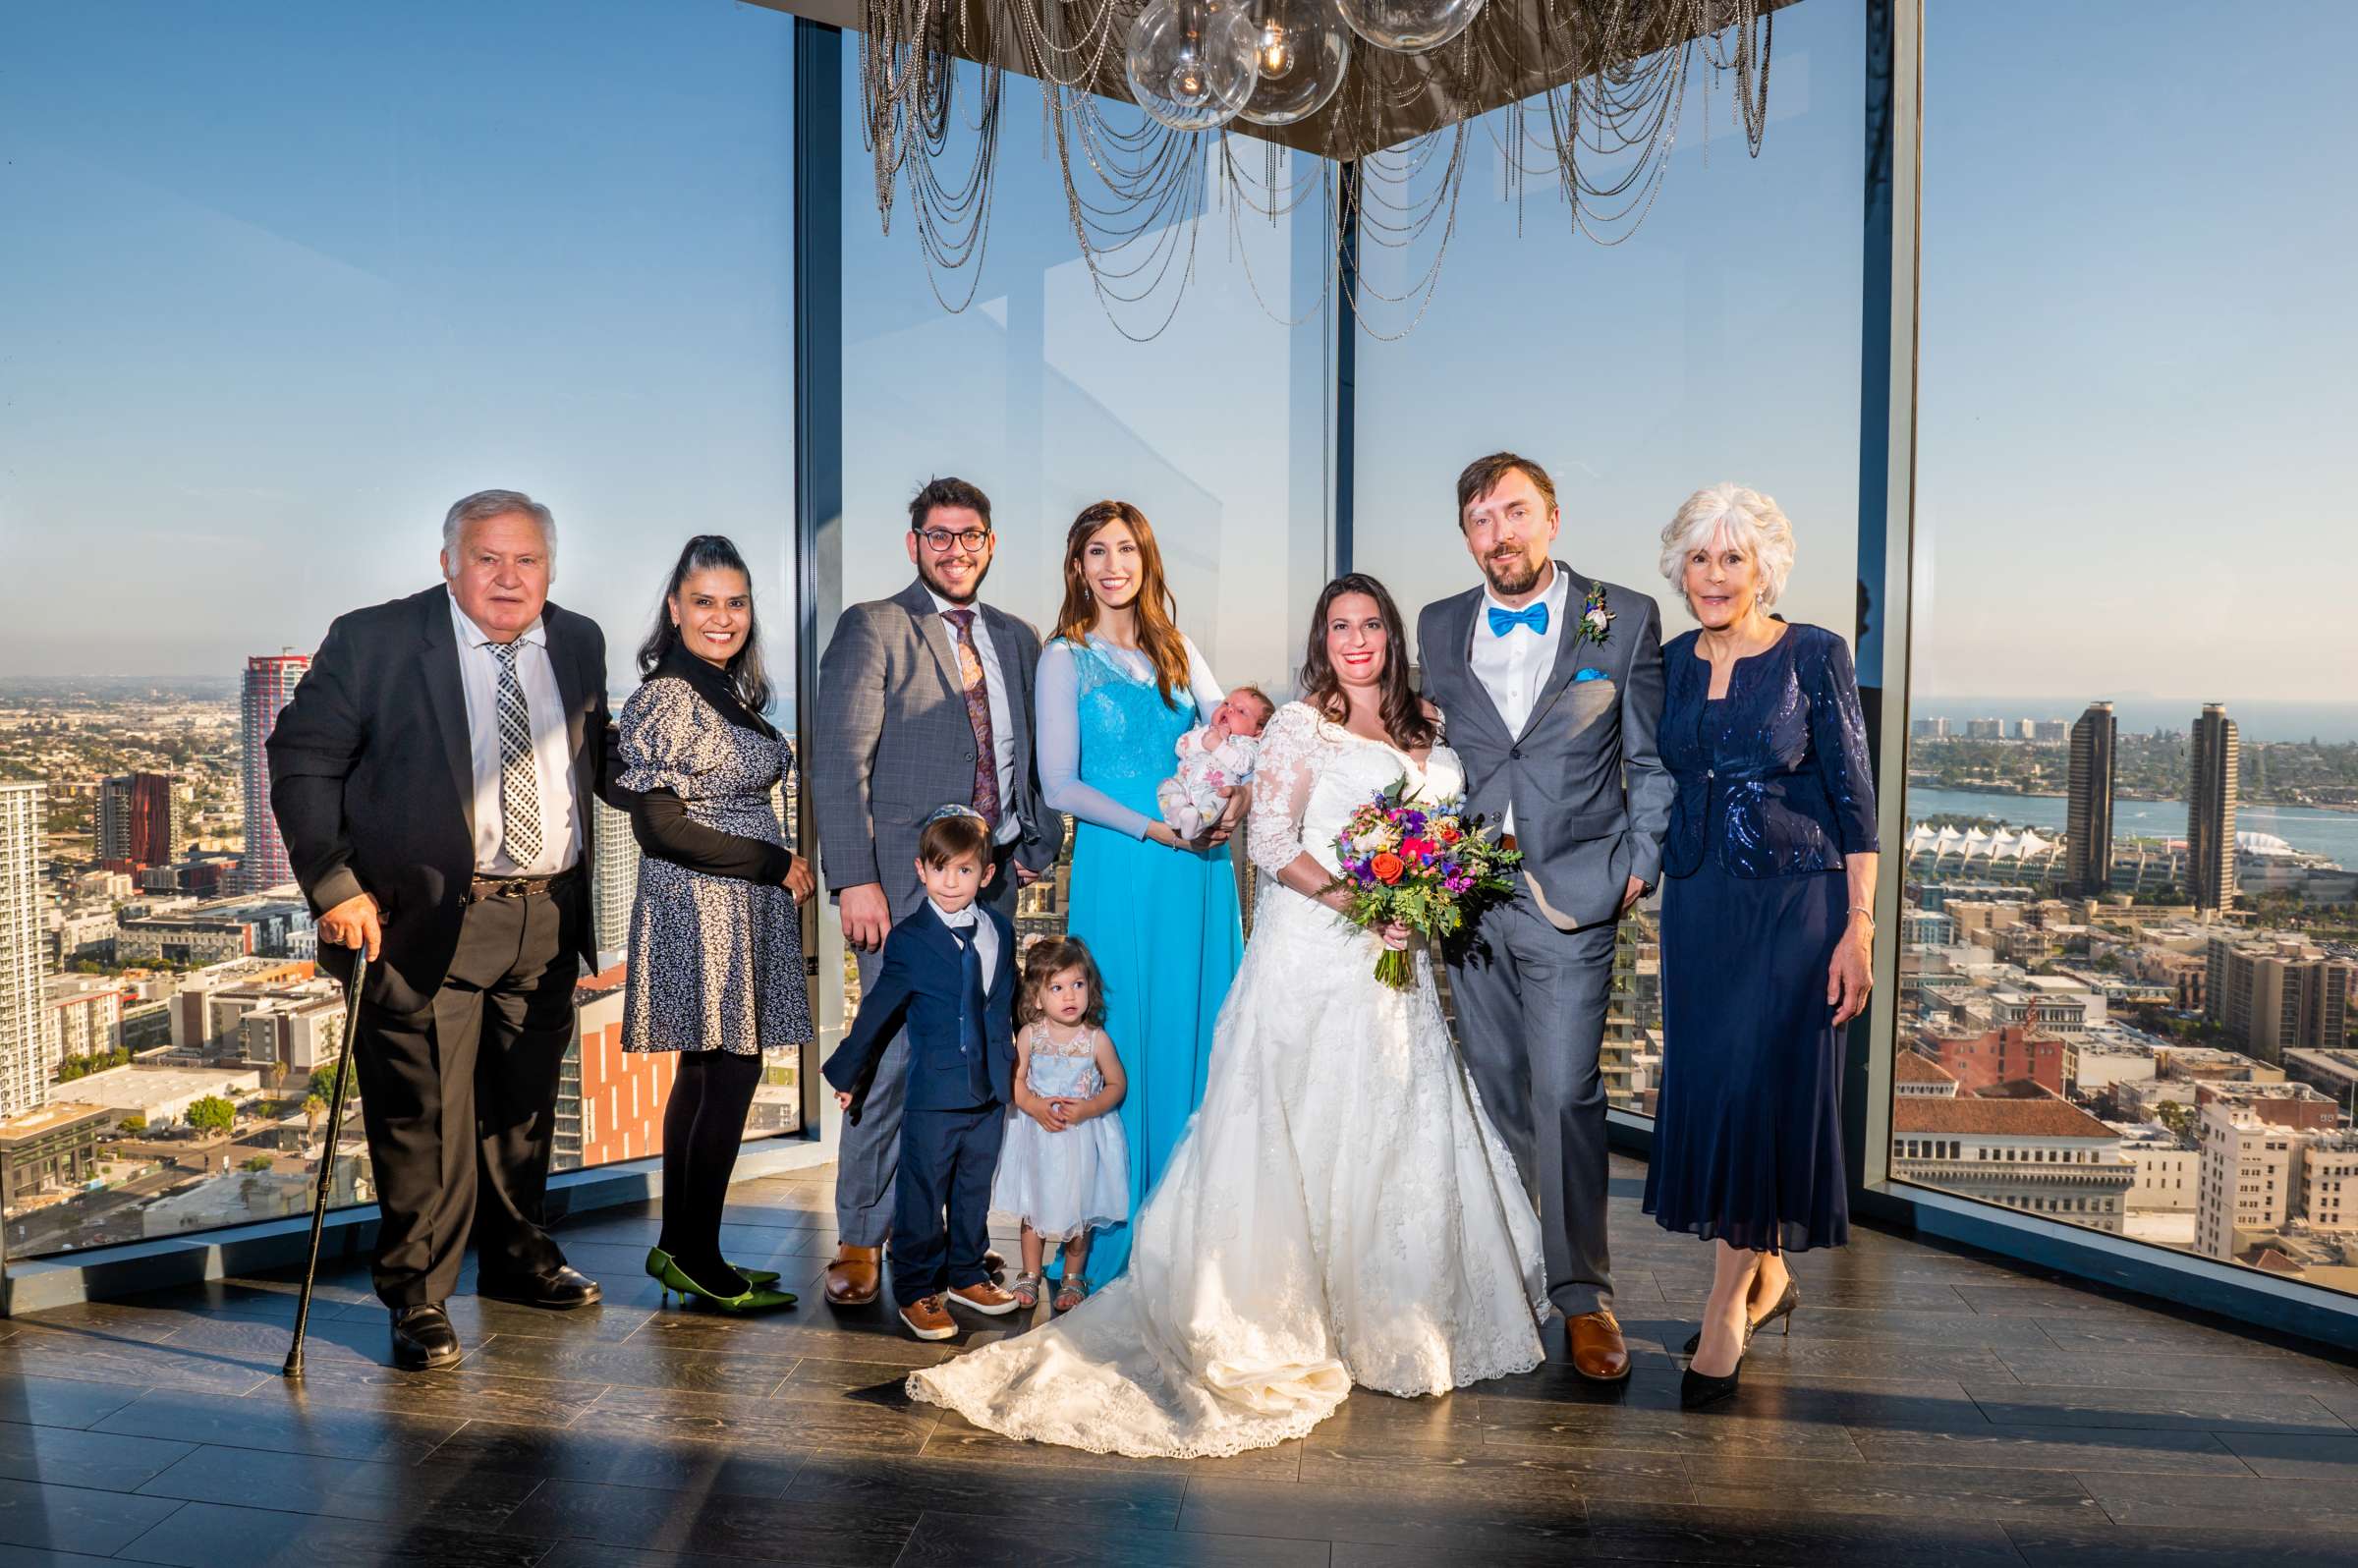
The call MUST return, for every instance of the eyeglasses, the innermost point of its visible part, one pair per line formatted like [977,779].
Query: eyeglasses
[939,540]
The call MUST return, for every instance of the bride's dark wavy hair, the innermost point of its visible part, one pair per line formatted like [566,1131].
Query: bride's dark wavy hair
[1403,717]
[708,553]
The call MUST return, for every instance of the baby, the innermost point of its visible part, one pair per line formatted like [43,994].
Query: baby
[1215,759]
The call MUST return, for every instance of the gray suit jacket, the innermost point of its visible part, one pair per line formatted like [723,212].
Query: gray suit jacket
[1591,796]
[892,742]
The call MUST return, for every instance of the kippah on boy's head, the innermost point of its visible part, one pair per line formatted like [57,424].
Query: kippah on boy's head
[954,833]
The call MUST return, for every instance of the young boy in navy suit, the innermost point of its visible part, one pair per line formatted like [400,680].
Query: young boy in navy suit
[949,975]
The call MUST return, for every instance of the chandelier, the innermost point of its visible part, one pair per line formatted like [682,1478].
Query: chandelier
[1388,99]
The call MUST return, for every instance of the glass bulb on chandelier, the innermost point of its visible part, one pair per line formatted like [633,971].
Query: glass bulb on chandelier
[1192,63]
[1303,49]
[1411,27]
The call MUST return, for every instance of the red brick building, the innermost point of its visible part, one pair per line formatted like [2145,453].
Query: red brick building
[609,1102]
[2010,1051]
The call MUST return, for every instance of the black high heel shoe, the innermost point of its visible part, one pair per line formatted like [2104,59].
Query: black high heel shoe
[1697,1389]
[1783,1309]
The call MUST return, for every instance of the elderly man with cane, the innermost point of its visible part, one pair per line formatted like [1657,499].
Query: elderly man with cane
[432,779]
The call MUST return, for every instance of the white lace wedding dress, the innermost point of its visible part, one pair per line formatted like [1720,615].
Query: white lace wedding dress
[1340,1211]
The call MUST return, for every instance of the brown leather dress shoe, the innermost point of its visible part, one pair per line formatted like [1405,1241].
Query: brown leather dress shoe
[983,1297]
[1598,1349]
[855,1276]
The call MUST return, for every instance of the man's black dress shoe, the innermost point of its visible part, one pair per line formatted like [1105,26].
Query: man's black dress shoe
[562,1288]
[423,1338]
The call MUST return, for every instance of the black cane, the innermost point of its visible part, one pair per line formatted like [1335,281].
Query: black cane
[327,1159]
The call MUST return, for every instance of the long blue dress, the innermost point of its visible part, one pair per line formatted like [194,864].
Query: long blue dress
[1163,924]
[1775,788]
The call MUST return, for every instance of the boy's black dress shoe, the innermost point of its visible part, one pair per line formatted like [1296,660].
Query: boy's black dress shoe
[423,1338]
[561,1289]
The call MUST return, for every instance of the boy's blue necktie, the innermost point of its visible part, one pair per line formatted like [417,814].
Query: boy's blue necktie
[970,981]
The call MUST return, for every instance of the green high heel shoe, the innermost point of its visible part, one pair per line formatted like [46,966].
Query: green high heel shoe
[756,1298]
[657,1259]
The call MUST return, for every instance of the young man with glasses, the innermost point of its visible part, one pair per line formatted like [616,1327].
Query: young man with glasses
[922,698]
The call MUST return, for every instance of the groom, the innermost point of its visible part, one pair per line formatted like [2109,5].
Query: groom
[1553,683]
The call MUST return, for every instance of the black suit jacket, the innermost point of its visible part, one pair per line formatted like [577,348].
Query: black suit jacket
[919,986]
[372,779]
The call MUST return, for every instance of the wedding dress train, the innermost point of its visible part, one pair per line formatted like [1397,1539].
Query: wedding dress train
[1340,1212]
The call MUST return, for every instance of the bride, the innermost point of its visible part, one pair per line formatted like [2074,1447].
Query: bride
[1340,1211]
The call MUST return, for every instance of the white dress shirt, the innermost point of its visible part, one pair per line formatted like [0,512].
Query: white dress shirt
[970,923]
[1512,668]
[552,749]
[1002,721]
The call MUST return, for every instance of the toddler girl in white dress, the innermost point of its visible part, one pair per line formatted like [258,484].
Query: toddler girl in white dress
[1064,1169]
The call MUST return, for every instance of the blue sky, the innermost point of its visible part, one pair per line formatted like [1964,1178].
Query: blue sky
[283,280]
[2138,335]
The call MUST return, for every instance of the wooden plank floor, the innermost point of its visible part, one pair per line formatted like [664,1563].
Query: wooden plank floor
[1929,1409]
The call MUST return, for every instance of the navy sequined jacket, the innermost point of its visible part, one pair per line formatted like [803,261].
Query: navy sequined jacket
[1774,778]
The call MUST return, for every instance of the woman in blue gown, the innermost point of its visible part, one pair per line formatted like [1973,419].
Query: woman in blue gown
[1767,922]
[1117,687]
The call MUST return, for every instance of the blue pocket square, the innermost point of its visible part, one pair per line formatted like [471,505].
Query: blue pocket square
[1592,673]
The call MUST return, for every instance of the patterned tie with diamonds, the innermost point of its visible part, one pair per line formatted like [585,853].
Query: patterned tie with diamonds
[977,713]
[519,769]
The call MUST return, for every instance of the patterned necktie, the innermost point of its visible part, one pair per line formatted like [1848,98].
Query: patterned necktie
[519,769]
[1533,616]
[977,713]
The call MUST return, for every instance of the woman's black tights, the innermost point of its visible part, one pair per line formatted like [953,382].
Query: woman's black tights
[702,1124]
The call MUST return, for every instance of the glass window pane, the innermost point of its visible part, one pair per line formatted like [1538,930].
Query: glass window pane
[2129,870]
[1720,342]
[1218,429]
[281,283]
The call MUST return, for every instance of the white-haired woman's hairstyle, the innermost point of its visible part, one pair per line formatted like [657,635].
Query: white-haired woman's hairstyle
[484,505]
[1732,514]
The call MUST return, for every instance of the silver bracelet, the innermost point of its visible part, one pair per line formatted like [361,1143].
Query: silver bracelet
[1861,909]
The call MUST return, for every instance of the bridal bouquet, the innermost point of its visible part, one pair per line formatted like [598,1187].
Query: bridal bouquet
[1426,864]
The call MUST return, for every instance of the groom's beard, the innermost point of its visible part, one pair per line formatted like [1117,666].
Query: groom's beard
[1516,577]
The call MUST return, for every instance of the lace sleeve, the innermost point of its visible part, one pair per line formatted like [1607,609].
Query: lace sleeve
[1287,767]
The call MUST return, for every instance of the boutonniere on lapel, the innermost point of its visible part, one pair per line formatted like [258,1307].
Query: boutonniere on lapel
[1596,622]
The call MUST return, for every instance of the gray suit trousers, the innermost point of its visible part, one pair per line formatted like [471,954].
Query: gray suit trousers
[869,1151]
[1531,1003]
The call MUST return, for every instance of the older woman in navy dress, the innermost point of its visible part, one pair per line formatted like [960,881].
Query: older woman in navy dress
[1767,922]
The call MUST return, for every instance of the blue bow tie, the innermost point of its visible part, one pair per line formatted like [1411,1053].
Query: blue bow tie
[1533,616]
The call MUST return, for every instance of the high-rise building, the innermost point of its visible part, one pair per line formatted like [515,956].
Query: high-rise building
[2248,1172]
[609,1101]
[2215,755]
[2088,807]
[270,682]
[140,820]
[2329,1180]
[23,953]
[2275,994]
[617,884]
